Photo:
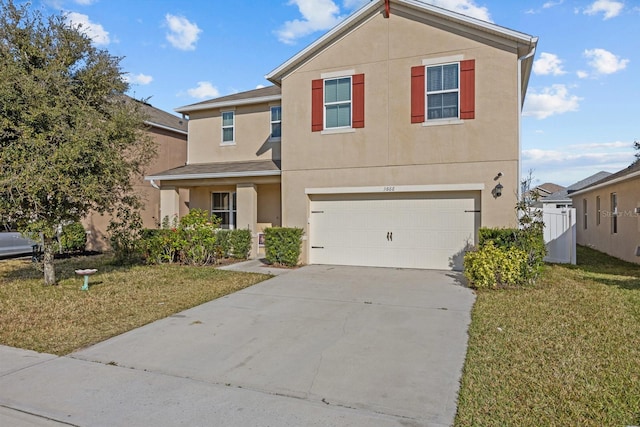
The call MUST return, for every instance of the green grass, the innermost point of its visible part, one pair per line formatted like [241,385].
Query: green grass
[563,353]
[61,319]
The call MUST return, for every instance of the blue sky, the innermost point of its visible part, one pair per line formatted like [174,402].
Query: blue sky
[581,112]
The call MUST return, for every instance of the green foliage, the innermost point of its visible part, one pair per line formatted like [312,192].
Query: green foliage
[223,244]
[240,243]
[510,256]
[70,140]
[124,234]
[491,266]
[282,245]
[73,237]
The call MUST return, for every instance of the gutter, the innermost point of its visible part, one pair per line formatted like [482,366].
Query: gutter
[604,184]
[533,41]
[152,178]
[248,101]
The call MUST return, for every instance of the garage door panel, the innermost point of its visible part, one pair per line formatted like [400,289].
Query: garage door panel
[425,230]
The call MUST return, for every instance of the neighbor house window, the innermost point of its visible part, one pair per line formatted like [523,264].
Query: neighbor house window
[228,124]
[584,213]
[337,103]
[442,92]
[598,210]
[614,213]
[276,122]
[223,206]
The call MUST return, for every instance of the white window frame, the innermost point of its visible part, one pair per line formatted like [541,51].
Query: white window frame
[325,103]
[232,210]
[274,122]
[232,127]
[614,213]
[440,92]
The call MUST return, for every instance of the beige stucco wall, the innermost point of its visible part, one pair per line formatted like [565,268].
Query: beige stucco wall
[171,152]
[252,131]
[390,150]
[625,242]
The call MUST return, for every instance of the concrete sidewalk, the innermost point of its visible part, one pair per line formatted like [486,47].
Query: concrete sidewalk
[320,345]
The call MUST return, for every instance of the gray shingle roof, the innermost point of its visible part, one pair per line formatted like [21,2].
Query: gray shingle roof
[563,195]
[240,96]
[219,170]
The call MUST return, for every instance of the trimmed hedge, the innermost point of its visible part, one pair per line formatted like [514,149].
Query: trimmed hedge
[505,257]
[283,245]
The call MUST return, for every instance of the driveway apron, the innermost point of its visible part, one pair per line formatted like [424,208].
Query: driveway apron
[320,345]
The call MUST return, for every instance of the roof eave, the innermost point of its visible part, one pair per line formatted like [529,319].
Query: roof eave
[232,103]
[606,183]
[490,30]
[212,175]
[169,128]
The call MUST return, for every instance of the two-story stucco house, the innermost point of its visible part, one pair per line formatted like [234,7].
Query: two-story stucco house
[390,140]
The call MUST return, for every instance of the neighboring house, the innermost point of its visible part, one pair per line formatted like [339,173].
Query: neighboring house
[608,213]
[390,140]
[169,133]
[560,198]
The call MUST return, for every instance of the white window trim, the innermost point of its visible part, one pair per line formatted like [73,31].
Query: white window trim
[223,127]
[231,210]
[271,122]
[324,103]
[445,120]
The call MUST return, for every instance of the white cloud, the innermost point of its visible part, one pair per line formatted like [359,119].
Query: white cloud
[548,63]
[465,7]
[552,100]
[204,90]
[317,15]
[85,2]
[597,145]
[550,4]
[259,86]
[605,62]
[140,79]
[320,15]
[609,8]
[95,32]
[582,74]
[182,34]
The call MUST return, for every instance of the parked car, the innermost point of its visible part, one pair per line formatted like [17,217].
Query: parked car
[13,243]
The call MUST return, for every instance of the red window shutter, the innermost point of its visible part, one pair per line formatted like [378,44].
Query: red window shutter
[317,105]
[467,89]
[417,94]
[357,83]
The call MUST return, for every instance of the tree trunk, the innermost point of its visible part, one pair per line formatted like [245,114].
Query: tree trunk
[47,260]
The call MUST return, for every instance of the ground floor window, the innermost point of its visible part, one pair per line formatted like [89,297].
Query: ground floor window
[223,206]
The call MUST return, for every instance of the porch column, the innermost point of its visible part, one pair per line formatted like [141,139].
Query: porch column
[169,203]
[247,212]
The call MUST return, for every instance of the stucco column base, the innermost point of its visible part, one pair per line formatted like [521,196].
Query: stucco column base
[169,203]
[247,212]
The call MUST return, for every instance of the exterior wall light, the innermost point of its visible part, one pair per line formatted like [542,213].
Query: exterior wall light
[497,190]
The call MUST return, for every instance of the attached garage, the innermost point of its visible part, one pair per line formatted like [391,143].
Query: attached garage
[404,229]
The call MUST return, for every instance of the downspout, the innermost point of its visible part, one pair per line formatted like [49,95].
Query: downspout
[153,184]
[387,8]
[520,107]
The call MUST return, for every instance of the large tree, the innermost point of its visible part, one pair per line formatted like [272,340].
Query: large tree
[70,140]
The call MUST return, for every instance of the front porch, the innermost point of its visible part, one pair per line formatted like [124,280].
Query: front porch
[244,195]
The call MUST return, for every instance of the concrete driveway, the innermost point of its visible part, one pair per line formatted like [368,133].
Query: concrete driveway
[321,345]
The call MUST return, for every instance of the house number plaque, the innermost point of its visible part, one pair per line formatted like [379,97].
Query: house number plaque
[389,188]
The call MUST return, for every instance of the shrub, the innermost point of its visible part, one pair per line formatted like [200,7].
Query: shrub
[222,247]
[240,243]
[491,266]
[124,234]
[161,246]
[73,238]
[198,237]
[282,245]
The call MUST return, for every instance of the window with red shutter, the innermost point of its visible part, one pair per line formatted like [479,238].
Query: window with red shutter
[337,103]
[443,91]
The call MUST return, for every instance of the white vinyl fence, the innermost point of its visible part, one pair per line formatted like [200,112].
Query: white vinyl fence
[560,235]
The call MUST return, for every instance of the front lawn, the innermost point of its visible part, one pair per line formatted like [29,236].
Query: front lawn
[61,319]
[563,353]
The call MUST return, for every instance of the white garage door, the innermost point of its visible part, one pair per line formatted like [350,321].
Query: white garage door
[410,230]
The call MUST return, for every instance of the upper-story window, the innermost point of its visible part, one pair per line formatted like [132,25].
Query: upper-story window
[228,127]
[443,91]
[337,103]
[276,122]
